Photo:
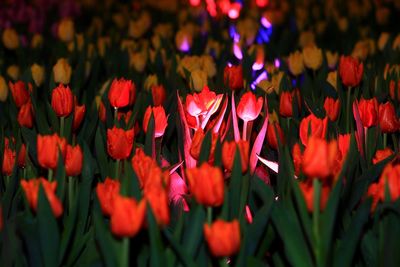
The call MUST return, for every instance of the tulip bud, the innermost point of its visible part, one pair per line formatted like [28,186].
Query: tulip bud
[19,92]
[332,108]
[229,151]
[37,74]
[223,238]
[158,200]
[62,100]
[158,93]
[37,41]
[122,93]
[160,120]
[198,80]
[312,57]
[3,89]
[233,77]
[79,114]
[106,193]
[62,71]
[13,71]
[66,30]
[295,63]
[368,110]
[73,160]
[10,39]
[317,126]
[25,115]
[9,156]
[48,149]
[350,71]
[119,143]
[332,59]
[249,107]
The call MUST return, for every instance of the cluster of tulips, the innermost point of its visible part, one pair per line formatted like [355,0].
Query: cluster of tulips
[198,137]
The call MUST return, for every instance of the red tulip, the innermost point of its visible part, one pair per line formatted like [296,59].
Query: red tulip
[160,120]
[141,164]
[308,193]
[19,92]
[200,104]
[79,114]
[62,101]
[233,77]
[223,238]
[350,71]
[31,189]
[158,201]
[382,154]
[229,151]
[9,156]
[249,107]
[197,142]
[122,93]
[48,148]
[318,127]
[297,158]
[22,156]
[271,135]
[25,115]
[106,193]
[332,108]
[119,143]
[344,144]
[159,95]
[73,160]
[368,112]
[394,90]
[286,102]
[388,120]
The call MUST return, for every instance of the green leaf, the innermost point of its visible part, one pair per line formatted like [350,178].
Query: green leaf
[48,231]
[149,145]
[156,247]
[205,148]
[179,250]
[235,186]
[193,234]
[101,154]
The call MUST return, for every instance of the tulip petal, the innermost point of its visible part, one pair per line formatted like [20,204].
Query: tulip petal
[274,166]
[234,118]
[212,110]
[360,130]
[220,117]
[258,143]
[173,168]
[187,139]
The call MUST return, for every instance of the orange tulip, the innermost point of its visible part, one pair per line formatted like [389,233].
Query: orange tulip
[62,101]
[122,93]
[249,107]
[48,148]
[223,238]
[106,193]
[206,184]
[119,143]
[318,127]
[160,120]
[31,189]
[229,151]
[127,216]
[332,108]
[73,160]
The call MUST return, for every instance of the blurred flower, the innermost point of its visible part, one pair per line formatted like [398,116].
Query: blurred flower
[37,41]
[127,216]
[350,71]
[223,238]
[31,190]
[388,121]
[197,142]
[22,156]
[332,108]
[368,112]
[307,38]
[37,74]
[183,40]
[344,144]
[308,193]
[62,71]
[158,200]
[65,30]
[160,120]
[25,115]
[332,79]
[312,57]
[286,102]
[73,160]
[295,63]
[10,39]
[206,184]
[381,155]
[19,92]
[119,143]
[62,100]
[159,95]
[106,192]
[122,93]
[141,164]
[318,128]
[9,156]
[272,138]
[233,77]
[48,149]
[138,60]
[79,114]
[198,80]
[3,89]
[383,40]
[150,81]
[332,59]
[249,106]
[229,152]
[13,71]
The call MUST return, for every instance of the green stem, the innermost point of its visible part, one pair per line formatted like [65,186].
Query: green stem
[209,215]
[316,211]
[116,174]
[223,262]
[70,192]
[125,252]
[62,122]
[384,140]
[50,175]
[115,116]
[348,109]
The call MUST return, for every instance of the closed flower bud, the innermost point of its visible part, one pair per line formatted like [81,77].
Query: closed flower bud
[13,71]
[127,216]
[160,120]
[48,149]
[229,152]
[119,143]
[25,115]
[3,89]
[332,59]
[286,102]
[312,56]
[62,100]
[37,74]
[159,95]
[22,156]
[388,121]
[9,156]
[332,108]
[198,80]
[138,60]
[233,77]
[66,30]
[19,92]
[37,41]
[206,184]
[295,63]
[79,114]
[106,193]
[73,160]
[223,238]
[10,39]
[368,112]
[62,71]
[350,71]
[332,79]
[31,190]
[141,164]
[122,93]
[249,107]
[318,127]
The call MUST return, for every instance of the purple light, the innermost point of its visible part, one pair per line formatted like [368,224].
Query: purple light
[237,51]
[185,45]
[257,66]
[229,64]
[266,23]
[277,63]
[261,77]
